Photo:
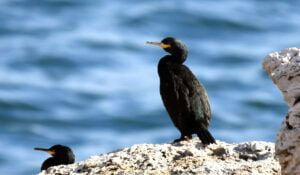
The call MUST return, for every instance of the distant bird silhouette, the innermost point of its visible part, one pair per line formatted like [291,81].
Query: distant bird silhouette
[183,95]
[61,155]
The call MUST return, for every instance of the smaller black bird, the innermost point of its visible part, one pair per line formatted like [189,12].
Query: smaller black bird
[61,155]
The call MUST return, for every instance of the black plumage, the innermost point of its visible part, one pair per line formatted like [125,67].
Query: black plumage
[61,155]
[183,95]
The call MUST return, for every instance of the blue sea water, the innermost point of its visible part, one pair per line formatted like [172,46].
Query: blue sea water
[78,72]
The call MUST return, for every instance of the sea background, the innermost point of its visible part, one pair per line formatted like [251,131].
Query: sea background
[78,72]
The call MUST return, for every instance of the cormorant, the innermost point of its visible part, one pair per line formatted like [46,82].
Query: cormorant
[61,155]
[183,95]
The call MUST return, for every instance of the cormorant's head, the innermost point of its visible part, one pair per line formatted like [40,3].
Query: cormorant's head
[173,46]
[58,151]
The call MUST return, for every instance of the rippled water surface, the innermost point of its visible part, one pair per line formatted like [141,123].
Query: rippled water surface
[78,72]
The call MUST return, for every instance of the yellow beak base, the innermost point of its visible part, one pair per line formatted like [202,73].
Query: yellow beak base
[162,45]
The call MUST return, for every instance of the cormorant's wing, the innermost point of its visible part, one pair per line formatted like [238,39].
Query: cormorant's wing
[194,96]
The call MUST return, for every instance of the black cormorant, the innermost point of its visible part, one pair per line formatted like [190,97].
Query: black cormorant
[183,95]
[61,155]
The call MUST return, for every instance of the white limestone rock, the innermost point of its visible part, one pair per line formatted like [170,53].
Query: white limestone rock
[284,69]
[179,159]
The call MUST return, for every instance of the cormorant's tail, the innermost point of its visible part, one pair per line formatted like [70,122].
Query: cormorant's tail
[205,137]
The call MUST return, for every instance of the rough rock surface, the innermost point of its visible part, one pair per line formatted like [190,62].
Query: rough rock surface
[180,158]
[284,69]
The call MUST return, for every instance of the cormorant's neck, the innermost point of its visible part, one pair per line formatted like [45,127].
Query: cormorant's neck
[179,56]
[65,158]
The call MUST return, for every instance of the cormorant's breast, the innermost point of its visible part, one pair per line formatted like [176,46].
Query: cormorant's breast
[65,159]
[165,66]
[49,163]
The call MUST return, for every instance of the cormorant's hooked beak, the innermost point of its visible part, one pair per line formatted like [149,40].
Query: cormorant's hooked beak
[45,150]
[162,45]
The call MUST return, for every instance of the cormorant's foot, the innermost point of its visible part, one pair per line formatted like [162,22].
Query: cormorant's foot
[183,138]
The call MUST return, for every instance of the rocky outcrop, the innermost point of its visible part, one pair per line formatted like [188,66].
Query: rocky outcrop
[180,158]
[284,69]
